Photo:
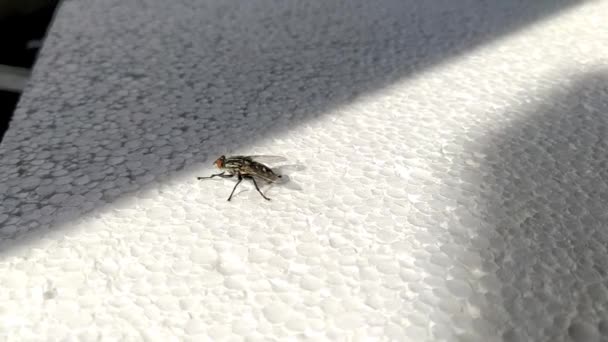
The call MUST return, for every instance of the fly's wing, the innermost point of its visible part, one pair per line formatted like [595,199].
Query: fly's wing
[289,167]
[262,158]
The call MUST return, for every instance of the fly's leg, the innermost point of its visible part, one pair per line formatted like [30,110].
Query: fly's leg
[237,184]
[258,189]
[217,175]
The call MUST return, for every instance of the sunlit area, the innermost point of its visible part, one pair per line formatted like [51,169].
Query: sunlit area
[391,171]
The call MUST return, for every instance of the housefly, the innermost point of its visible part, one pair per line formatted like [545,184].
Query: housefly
[246,167]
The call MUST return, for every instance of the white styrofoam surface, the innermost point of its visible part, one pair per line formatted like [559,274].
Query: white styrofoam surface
[455,181]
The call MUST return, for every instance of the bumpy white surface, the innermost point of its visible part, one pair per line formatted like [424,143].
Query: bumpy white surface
[455,188]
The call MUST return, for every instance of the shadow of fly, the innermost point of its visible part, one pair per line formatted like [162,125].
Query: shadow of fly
[246,167]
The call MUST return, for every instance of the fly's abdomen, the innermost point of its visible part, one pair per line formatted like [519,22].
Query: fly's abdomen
[261,171]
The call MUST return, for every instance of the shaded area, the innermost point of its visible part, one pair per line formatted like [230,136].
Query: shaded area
[544,195]
[159,87]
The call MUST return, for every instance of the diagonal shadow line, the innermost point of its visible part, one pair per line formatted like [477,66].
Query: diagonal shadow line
[163,86]
[539,200]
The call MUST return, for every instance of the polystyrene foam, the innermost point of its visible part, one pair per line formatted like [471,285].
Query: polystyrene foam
[447,176]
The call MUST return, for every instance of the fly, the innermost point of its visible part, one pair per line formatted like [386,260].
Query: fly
[245,167]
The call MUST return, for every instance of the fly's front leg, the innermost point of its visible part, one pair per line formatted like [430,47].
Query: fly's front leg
[223,175]
[257,188]
[237,184]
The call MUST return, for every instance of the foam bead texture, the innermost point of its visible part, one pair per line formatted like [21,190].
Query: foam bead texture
[451,179]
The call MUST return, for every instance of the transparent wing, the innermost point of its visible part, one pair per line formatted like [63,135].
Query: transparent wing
[261,158]
[289,167]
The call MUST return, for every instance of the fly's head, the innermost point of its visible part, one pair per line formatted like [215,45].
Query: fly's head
[220,162]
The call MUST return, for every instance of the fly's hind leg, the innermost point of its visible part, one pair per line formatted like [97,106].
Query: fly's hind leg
[237,184]
[257,188]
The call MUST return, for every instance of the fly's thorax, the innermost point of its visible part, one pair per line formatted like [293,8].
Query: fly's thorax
[236,162]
